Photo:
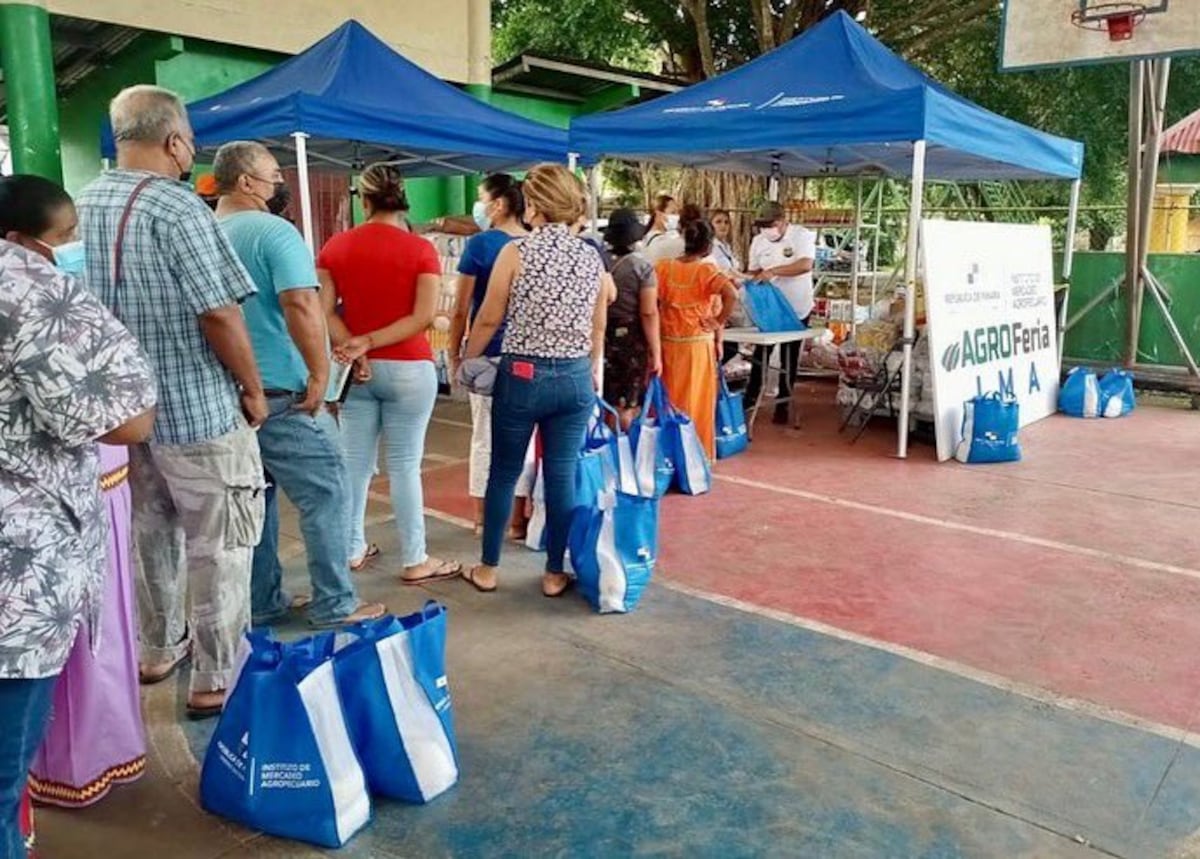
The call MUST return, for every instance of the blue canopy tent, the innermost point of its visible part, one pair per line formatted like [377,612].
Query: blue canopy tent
[350,99]
[834,102]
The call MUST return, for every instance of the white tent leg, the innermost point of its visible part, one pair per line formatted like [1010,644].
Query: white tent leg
[306,218]
[854,262]
[910,295]
[572,161]
[1072,225]
[593,201]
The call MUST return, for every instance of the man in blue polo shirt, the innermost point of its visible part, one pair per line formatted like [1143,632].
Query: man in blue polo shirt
[299,440]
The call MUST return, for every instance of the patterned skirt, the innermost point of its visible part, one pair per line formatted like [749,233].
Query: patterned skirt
[95,738]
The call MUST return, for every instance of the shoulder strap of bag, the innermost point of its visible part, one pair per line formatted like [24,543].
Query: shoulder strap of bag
[119,246]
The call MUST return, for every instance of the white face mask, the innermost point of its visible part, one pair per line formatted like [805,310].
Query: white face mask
[672,223]
[773,234]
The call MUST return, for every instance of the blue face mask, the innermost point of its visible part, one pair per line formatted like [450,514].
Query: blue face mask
[69,258]
[479,213]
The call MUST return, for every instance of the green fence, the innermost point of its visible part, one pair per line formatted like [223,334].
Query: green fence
[1100,336]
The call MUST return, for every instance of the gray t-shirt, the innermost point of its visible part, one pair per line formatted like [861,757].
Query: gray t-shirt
[631,273]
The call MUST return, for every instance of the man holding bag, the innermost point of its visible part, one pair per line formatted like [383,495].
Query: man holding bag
[783,255]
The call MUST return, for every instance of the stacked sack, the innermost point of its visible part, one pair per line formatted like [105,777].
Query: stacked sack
[1083,395]
[313,727]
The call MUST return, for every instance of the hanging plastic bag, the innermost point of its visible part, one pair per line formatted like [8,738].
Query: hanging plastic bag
[1079,396]
[281,760]
[391,675]
[1116,394]
[769,308]
[653,463]
[733,436]
[693,472]
[989,430]
[614,547]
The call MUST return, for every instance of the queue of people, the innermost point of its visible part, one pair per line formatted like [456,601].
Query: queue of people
[167,373]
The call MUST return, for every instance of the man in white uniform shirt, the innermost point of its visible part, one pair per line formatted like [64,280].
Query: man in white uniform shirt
[783,254]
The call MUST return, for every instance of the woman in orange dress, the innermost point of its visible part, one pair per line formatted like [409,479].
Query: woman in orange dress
[691,330]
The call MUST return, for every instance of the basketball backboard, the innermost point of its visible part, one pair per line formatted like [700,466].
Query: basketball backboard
[1048,33]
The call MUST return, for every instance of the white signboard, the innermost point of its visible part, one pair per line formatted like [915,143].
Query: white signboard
[989,298]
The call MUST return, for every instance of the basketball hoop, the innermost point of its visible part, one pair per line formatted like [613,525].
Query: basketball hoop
[1118,19]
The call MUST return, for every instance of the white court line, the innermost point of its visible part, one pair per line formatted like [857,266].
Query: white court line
[949,666]
[986,678]
[949,524]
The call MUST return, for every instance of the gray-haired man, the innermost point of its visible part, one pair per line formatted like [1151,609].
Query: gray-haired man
[158,259]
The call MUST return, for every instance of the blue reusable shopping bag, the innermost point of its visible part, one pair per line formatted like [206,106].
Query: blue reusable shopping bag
[1079,395]
[653,456]
[693,472]
[769,309]
[614,547]
[732,434]
[1116,394]
[989,430]
[281,760]
[391,674]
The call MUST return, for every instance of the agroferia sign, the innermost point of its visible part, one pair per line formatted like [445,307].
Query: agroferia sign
[989,298]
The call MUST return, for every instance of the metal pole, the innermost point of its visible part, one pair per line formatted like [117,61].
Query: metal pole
[1133,279]
[306,218]
[572,161]
[773,184]
[880,191]
[28,63]
[593,186]
[1158,83]
[854,264]
[1160,298]
[910,294]
[1072,225]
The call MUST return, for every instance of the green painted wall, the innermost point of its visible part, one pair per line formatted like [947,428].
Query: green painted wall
[193,69]
[1184,169]
[1100,336]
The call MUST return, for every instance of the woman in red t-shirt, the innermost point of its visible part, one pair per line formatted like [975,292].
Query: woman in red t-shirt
[387,281]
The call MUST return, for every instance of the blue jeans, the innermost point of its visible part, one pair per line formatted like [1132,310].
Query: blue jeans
[396,403]
[302,456]
[557,400]
[24,711]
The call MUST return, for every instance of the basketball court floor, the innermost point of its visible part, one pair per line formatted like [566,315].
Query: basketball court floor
[842,655]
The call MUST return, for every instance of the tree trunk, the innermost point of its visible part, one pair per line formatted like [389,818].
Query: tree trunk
[764,24]
[698,10]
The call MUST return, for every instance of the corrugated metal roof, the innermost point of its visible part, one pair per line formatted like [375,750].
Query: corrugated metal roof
[1184,136]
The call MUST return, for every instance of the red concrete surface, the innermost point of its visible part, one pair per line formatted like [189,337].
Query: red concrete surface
[1100,629]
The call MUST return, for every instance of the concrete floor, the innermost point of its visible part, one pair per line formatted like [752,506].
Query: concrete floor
[843,655]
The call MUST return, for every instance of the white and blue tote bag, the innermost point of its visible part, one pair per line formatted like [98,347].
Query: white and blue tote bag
[281,760]
[391,674]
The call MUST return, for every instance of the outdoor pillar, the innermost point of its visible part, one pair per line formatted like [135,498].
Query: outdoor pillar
[910,294]
[27,58]
[306,215]
[1072,226]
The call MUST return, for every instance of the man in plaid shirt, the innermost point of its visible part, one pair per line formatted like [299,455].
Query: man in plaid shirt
[158,259]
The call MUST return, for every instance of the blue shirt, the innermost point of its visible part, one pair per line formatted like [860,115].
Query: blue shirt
[176,266]
[273,252]
[478,259]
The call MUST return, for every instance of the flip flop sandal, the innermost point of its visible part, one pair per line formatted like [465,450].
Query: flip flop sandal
[154,679]
[357,616]
[556,594]
[469,578]
[366,560]
[444,570]
[199,714]
[300,602]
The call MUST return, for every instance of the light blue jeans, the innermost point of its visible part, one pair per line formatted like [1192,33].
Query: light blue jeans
[302,456]
[396,403]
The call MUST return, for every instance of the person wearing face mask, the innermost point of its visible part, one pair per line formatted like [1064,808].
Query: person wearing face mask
[72,375]
[662,239]
[96,738]
[783,254]
[498,213]
[301,448]
[158,259]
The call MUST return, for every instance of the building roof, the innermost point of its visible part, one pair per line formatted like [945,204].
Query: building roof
[574,80]
[1184,136]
